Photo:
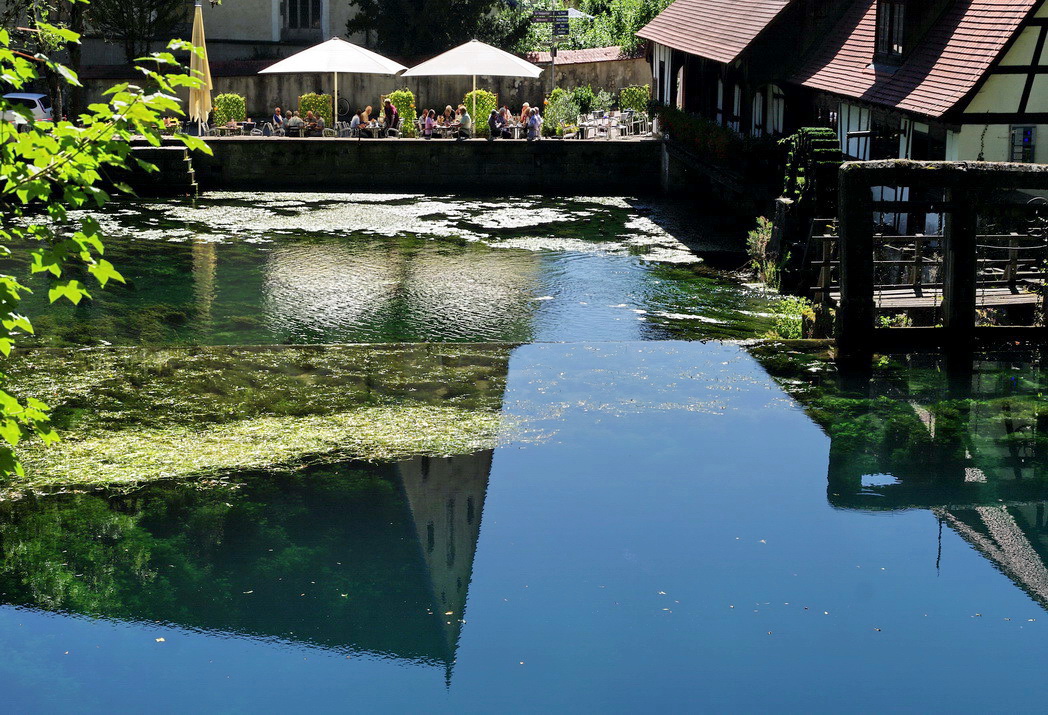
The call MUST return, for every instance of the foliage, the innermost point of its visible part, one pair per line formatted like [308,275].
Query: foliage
[485,102]
[635,98]
[603,101]
[812,160]
[404,101]
[134,24]
[898,320]
[792,315]
[50,168]
[229,107]
[405,31]
[615,23]
[585,98]
[561,111]
[318,104]
[766,266]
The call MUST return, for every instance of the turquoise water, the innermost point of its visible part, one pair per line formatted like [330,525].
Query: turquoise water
[666,537]
[663,525]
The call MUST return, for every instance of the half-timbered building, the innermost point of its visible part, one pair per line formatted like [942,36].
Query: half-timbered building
[922,79]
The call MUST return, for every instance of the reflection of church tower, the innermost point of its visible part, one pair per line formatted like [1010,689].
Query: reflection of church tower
[446,496]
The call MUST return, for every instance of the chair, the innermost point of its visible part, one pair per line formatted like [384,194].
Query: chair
[293,132]
[395,131]
[627,122]
[328,132]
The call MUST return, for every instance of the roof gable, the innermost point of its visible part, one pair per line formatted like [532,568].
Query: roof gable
[942,69]
[719,30]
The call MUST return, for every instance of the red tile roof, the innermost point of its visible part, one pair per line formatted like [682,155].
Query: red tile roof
[574,57]
[716,29]
[947,64]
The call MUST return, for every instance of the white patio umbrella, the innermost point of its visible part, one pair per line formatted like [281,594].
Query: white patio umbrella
[199,98]
[472,59]
[335,56]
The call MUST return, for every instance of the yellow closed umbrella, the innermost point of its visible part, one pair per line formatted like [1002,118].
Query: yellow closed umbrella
[200,99]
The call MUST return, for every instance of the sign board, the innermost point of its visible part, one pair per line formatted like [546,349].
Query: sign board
[560,29]
[549,16]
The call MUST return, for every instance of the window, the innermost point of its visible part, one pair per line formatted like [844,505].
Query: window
[736,109]
[757,123]
[720,101]
[1024,144]
[891,19]
[302,15]
[776,110]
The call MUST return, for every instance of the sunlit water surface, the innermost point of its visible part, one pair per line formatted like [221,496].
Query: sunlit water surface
[245,269]
[680,526]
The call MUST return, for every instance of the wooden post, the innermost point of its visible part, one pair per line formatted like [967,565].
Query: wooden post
[856,310]
[959,265]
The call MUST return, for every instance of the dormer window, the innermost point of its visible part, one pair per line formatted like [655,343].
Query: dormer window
[891,20]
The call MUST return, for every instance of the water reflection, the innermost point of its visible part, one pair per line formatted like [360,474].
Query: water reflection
[964,438]
[327,270]
[355,558]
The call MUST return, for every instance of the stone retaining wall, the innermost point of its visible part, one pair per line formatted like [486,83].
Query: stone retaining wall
[445,166]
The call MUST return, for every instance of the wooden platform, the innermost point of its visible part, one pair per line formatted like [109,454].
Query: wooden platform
[909,298]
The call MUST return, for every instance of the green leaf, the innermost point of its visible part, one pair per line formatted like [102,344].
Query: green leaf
[73,290]
[103,271]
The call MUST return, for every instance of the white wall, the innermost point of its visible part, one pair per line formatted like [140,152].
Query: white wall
[993,142]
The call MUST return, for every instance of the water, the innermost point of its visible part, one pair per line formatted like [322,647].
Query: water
[660,525]
[234,269]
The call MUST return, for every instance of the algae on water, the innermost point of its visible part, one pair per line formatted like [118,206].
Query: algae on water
[130,416]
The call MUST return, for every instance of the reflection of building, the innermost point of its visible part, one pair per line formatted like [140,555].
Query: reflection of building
[446,496]
[970,449]
[1013,537]
[361,559]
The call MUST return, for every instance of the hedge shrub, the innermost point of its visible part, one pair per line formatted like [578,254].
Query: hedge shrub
[318,104]
[635,98]
[486,101]
[404,101]
[561,111]
[229,107]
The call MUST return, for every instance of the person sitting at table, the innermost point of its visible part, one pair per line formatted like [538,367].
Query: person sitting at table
[390,115]
[362,124]
[430,123]
[495,123]
[448,117]
[318,126]
[311,125]
[534,125]
[525,114]
[278,119]
[294,124]
[464,122]
[365,116]
[354,125]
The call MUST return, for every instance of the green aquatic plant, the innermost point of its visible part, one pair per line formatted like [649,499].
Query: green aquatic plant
[767,266]
[130,416]
[792,314]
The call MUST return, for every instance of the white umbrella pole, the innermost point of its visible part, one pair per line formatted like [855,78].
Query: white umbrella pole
[474,115]
[334,111]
